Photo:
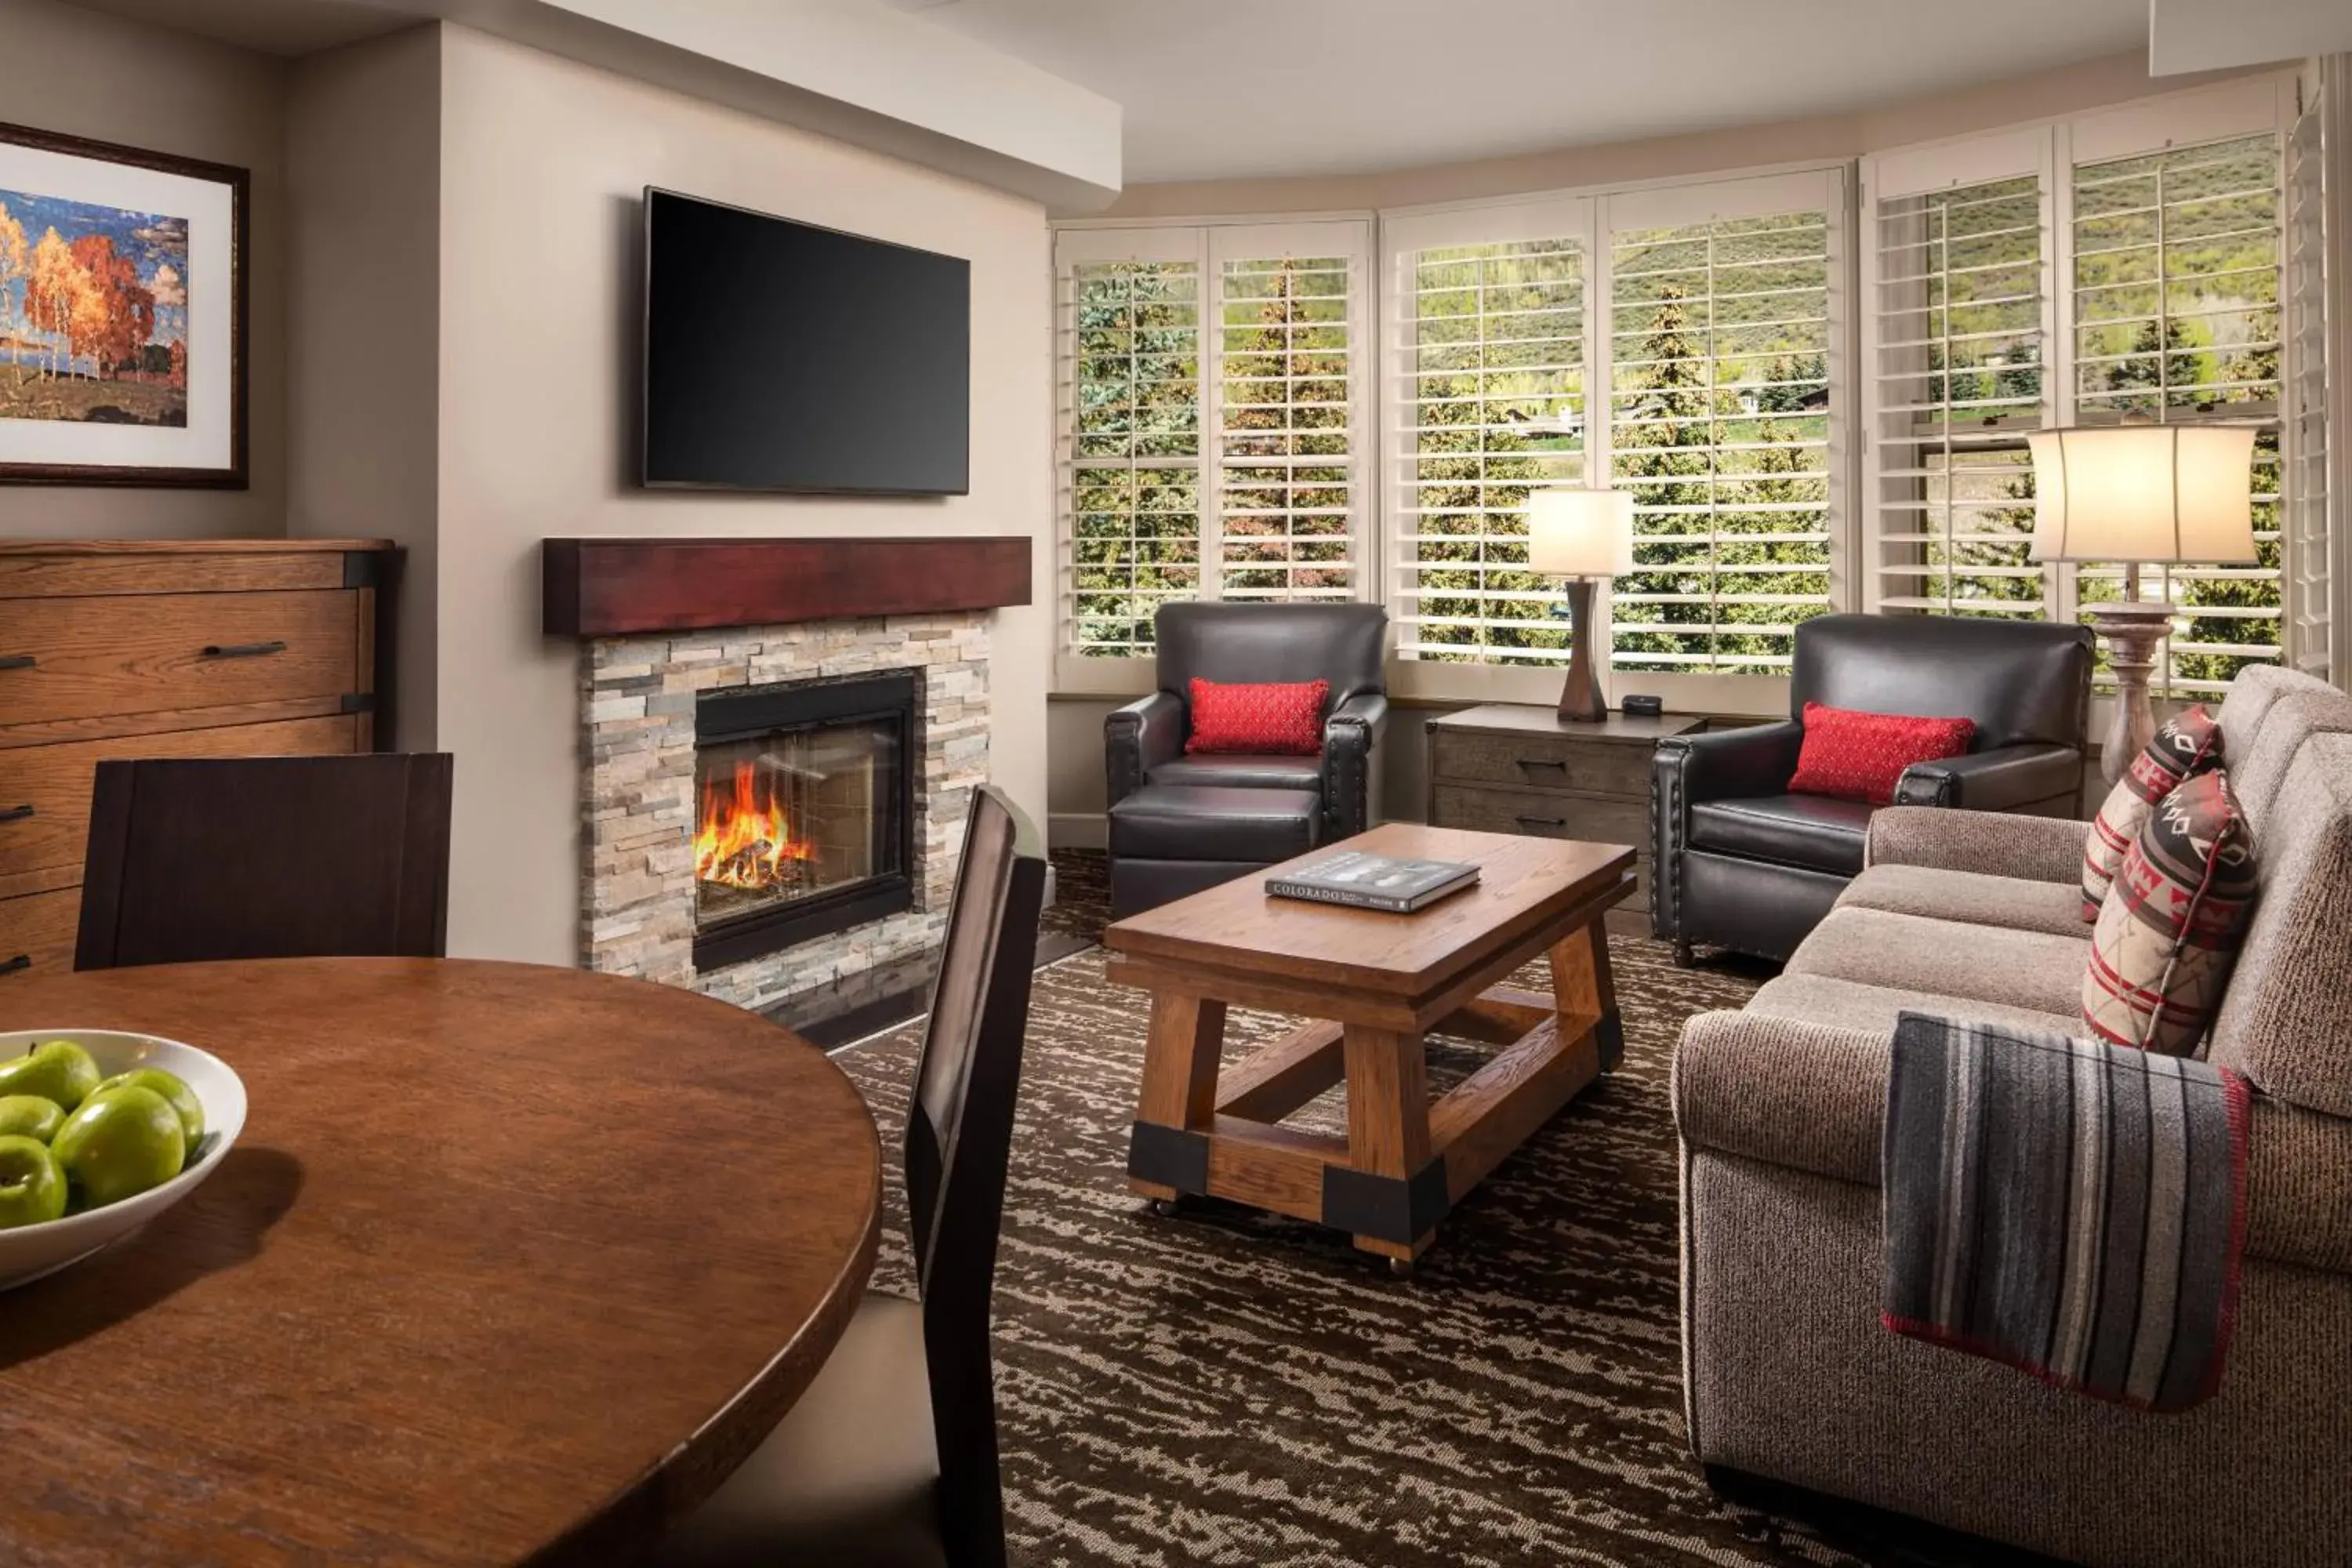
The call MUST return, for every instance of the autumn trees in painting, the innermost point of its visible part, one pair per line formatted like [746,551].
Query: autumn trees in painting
[93,312]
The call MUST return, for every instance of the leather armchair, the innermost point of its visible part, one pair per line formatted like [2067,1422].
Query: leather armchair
[1739,862]
[1198,804]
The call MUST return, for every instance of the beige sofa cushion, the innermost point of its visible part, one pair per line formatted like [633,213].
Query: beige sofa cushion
[1946,958]
[2259,769]
[2013,903]
[1990,843]
[1848,1004]
[2246,706]
[2286,1019]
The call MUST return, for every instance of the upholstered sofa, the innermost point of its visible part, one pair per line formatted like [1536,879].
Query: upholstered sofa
[1789,1373]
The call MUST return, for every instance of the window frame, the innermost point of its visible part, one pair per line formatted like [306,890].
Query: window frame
[1208,245]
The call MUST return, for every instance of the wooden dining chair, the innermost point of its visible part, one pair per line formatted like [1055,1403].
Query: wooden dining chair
[889,1461]
[267,857]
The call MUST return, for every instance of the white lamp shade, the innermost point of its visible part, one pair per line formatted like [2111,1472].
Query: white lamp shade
[1581,533]
[2144,493]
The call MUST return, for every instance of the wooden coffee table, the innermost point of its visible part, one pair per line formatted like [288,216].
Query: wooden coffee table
[1372,986]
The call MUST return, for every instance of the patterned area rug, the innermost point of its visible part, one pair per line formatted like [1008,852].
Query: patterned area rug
[1224,1387]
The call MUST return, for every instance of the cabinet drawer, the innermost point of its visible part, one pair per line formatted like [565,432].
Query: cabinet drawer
[1544,813]
[64,576]
[39,927]
[104,656]
[56,781]
[1542,762]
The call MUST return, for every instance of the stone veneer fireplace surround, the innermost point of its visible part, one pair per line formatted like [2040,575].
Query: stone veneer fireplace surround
[655,619]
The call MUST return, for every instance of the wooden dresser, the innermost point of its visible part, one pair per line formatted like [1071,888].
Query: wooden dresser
[113,648]
[1505,768]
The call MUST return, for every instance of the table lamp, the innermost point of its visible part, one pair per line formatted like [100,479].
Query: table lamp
[1580,535]
[2141,495]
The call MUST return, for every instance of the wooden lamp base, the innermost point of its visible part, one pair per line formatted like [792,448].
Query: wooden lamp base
[1580,702]
[2134,629]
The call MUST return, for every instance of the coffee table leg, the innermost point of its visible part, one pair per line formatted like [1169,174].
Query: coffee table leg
[1391,1190]
[1582,985]
[1169,1154]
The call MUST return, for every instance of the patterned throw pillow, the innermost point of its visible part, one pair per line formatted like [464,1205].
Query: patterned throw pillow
[2190,744]
[1285,719]
[1849,755]
[2171,927]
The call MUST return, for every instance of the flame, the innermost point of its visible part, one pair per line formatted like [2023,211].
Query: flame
[743,839]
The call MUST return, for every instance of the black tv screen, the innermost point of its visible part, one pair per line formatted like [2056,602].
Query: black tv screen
[782,356]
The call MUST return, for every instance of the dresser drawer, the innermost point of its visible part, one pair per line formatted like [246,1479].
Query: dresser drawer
[1544,813]
[39,927]
[56,781]
[120,573]
[1541,761]
[92,658]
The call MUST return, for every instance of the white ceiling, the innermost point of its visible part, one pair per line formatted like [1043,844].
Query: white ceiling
[1238,89]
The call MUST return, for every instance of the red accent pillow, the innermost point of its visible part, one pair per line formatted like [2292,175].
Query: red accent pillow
[1285,718]
[1859,756]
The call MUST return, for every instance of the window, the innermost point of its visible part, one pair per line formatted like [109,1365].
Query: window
[2123,266]
[1721,344]
[1957,365]
[2176,298]
[1491,403]
[1212,433]
[2312,591]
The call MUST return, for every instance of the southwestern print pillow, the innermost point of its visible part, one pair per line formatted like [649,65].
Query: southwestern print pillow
[2169,929]
[2189,744]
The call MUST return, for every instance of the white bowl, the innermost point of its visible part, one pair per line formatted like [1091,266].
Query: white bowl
[28,1252]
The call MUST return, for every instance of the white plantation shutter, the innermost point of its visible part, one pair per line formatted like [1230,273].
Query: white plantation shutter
[2313,636]
[1724,343]
[1212,426]
[1487,403]
[1291,386]
[1128,378]
[1953,351]
[2175,271]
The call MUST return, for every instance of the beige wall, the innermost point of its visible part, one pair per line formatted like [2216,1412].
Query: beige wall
[543,164]
[363,180]
[2067,90]
[66,69]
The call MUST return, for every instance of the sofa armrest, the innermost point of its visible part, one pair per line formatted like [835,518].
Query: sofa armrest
[1810,1097]
[2033,772]
[1136,739]
[1349,734]
[1721,765]
[1997,844]
[2299,1186]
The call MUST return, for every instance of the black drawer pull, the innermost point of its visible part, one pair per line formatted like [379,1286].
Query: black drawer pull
[17,661]
[242,649]
[15,814]
[1543,763]
[10,965]
[1542,821]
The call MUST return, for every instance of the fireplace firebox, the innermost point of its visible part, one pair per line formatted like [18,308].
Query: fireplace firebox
[804,812]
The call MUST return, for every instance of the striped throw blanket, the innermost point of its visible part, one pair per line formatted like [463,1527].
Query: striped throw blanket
[2071,1208]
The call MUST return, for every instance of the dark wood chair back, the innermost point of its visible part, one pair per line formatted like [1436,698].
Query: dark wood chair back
[267,857]
[958,1136]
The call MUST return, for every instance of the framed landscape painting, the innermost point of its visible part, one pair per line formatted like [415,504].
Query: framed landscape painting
[123,315]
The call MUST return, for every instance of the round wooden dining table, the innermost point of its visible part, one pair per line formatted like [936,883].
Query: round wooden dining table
[509,1264]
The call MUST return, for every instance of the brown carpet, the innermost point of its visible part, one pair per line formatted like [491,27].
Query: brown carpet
[1224,1387]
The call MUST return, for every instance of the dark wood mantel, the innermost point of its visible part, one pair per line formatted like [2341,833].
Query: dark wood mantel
[614,588]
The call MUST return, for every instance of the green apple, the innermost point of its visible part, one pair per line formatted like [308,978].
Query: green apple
[181,1098]
[121,1143]
[29,1116]
[54,1069]
[32,1184]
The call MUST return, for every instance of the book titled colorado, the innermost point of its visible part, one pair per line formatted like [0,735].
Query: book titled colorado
[1365,881]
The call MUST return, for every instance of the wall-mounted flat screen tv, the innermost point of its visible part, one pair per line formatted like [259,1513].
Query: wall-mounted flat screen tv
[782,356]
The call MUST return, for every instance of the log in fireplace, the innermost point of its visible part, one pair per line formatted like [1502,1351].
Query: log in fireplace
[804,812]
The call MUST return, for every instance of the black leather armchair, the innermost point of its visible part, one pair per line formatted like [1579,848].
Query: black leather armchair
[1738,862]
[1182,818]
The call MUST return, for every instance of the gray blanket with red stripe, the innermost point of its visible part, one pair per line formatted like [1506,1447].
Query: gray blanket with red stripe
[2072,1208]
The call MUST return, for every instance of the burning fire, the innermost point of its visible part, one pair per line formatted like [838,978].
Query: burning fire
[743,839]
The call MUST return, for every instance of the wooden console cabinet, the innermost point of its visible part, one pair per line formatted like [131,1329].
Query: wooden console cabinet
[120,648]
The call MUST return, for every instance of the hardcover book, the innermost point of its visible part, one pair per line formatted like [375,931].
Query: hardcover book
[1365,881]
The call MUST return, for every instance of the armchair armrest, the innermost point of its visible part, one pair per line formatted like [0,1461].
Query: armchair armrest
[1721,765]
[1350,732]
[1136,739]
[1997,844]
[2033,772]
